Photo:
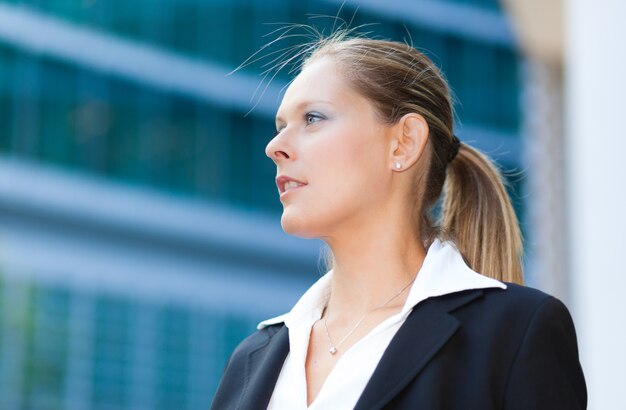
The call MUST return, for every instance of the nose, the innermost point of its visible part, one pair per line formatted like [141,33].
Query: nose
[277,149]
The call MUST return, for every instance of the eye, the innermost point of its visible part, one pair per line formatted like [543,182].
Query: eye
[279,129]
[312,117]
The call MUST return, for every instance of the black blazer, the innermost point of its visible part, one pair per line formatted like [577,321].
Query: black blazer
[476,349]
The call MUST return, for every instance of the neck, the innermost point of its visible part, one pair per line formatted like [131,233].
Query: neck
[370,268]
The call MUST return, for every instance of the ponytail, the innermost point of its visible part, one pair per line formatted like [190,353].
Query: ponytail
[478,214]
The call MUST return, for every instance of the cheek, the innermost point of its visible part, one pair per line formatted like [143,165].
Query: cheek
[353,171]
[344,163]
[347,178]
[364,157]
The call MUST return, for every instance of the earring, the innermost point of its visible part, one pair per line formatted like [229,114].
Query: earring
[398,165]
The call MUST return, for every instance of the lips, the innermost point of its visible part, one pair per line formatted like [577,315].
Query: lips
[284,179]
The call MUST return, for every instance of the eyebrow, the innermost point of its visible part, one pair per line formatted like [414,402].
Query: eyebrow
[304,104]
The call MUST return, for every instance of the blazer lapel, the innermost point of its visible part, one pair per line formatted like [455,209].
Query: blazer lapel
[263,366]
[426,330]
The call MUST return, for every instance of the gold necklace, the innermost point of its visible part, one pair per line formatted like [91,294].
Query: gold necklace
[333,348]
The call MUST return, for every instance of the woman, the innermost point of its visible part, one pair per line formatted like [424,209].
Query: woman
[402,320]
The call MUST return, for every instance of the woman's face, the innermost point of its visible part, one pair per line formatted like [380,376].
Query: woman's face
[329,138]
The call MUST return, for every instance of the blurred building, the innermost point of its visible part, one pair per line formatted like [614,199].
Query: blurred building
[574,87]
[140,235]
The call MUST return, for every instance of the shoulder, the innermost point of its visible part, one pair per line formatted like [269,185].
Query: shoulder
[237,368]
[256,340]
[251,343]
[545,371]
[517,300]
[515,312]
[530,336]
[518,293]
[543,313]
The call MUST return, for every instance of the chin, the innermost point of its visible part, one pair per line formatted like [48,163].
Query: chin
[296,224]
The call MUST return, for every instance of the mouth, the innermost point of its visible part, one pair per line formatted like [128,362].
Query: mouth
[286,183]
[291,187]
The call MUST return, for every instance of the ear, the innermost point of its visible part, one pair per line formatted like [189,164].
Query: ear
[408,140]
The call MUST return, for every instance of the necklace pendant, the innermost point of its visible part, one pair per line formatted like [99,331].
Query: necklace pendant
[333,350]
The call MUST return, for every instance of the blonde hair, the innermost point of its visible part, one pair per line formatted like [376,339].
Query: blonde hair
[477,214]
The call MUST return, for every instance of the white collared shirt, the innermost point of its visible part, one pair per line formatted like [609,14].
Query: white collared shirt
[444,271]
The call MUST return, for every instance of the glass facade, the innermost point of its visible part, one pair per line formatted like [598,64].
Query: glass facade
[66,348]
[74,116]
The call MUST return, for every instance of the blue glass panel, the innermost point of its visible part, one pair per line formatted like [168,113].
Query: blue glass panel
[172,382]
[47,356]
[111,350]
[6,100]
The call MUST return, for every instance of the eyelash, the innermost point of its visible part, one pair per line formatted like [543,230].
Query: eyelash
[313,115]
[306,117]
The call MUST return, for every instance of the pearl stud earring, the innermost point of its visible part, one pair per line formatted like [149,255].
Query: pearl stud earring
[398,165]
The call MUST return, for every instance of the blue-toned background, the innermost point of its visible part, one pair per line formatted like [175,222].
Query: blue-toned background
[140,235]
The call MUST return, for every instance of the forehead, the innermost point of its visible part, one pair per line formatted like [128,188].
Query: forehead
[319,81]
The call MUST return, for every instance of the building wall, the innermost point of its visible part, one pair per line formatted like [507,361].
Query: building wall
[139,222]
[595,145]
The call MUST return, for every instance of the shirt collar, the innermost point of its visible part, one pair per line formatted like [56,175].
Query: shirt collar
[443,271]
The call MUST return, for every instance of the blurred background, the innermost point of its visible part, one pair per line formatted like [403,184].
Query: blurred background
[140,234]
